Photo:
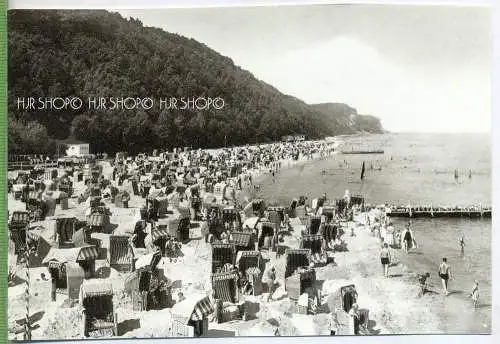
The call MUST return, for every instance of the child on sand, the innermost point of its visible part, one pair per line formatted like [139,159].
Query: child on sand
[475,293]
[333,323]
[422,279]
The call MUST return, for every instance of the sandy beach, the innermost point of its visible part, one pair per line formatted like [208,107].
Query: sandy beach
[393,305]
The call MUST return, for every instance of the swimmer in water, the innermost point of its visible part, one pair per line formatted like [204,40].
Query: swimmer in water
[461,241]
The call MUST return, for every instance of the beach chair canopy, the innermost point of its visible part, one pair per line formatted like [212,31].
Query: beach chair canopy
[348,296]
[225,286]
[330,232]
[254,272]
[120,250]
[242,239]
[38,232]
[218,248]
[96,289]
[296,258]
[97,300]
[20,218]
[248,259]
[222,254]
[160,232]
[193,308]
[252,222]
[266,228]
[314,223]
[302,280]
[312,242]
[63,255]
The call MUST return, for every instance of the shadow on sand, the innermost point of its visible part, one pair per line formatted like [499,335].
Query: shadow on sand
[485,305]
[103,272]
[16,280]
[177,284]
[455,292]
[128,325]
[395,275]
[273,322]
[33,319]
[371,328]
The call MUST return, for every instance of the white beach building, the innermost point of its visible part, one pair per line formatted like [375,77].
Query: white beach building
[76,148]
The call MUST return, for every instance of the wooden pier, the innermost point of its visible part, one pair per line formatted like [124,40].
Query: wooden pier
[440,212]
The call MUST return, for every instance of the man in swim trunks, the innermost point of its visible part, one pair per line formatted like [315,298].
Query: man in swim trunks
[385,258]
[407,238]
[444,273]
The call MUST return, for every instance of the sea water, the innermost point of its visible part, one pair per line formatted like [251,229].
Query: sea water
[417,169]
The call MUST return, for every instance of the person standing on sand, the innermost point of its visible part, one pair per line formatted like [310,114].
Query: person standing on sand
[271,282]
[475,293]
[444,273]
[385,258]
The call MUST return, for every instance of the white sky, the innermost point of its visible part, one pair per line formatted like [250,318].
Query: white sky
[418,68]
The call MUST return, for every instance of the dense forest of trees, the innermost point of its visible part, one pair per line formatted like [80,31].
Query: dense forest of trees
[100,54]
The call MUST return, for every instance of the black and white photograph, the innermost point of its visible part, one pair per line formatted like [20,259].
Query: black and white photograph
[242,171]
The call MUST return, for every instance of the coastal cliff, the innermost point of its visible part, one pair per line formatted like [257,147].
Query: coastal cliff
[343,119]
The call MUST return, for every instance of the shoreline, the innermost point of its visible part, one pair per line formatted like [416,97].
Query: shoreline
[393,302]
[260,176]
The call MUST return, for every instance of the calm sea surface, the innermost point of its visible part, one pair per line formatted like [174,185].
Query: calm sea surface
[418,169]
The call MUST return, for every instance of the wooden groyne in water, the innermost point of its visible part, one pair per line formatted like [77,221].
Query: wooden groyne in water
[414,212]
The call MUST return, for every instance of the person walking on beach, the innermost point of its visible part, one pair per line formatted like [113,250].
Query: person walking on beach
[385,258]
[444,273]
[408,239]
[461,242]
[475,293]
